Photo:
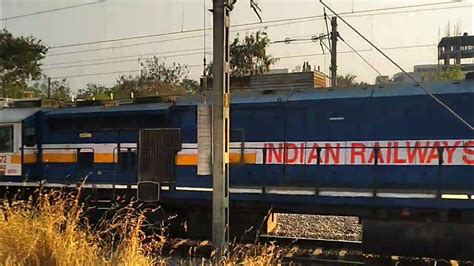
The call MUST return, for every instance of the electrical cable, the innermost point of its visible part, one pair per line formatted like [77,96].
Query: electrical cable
[172,54]
[436,99]
[108,73]
[52,10]
[123,46]
[367,62]
[198,53]
[327,27]
[286,22]
[361,50]
[107,63]
[313,38]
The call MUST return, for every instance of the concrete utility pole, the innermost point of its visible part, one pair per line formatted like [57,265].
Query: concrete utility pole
[334,36]
[221,125]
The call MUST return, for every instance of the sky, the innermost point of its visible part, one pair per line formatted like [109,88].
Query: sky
[411,34]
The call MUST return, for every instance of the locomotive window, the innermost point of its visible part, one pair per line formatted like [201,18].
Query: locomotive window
[30,137]
[85,159]
[128,160]
[6,139]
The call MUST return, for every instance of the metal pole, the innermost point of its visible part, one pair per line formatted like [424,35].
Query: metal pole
[49,87]
[334,36]
[221,125]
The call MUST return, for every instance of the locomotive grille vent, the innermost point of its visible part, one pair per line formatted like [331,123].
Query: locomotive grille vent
[156,160]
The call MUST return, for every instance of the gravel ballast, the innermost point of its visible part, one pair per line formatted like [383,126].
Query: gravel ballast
[318,226]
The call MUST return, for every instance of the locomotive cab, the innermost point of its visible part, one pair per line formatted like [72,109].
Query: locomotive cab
[17,140]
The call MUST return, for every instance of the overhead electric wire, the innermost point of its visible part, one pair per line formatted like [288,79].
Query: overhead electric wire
[279,57]
[90,61]
[367,62]
[264,24]
[52,10]
[201,36]
[112,62]
[158,41]
[361,50]
[91,64]
[168,54]
[327,27]
[109,73]
[126,38]
[125,45]
[96,74]
[313,38]
[349,14]
[436,99]
[182,38]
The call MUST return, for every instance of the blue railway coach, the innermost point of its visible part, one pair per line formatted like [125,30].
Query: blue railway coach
[384,154]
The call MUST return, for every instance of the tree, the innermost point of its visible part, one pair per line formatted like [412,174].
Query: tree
[59,90]
[156,78]
[451,73]
[20,62]
[346,81]
[349,81]
[190,85]
[249,56]
[95,92]
[126,85]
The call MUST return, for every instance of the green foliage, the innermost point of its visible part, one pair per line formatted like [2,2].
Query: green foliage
[249,56]
[19,61]
[451,73]
[156,78]
[59,90]
[349,80]
[126,85]
[95,92]
[190,85]
[152,70]
[346,81]
[12,90]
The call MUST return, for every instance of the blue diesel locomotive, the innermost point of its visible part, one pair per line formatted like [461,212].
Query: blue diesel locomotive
[389,155]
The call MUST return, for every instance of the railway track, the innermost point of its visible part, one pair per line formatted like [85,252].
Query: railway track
[313,251]
[312,242]
[320,261]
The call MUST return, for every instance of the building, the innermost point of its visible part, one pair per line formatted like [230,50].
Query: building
[277,71]
[426,72]
[456,50]
[294,80]
[403,78]
[380,80]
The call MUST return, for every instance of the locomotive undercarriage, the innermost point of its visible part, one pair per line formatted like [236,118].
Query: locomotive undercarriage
[396,231]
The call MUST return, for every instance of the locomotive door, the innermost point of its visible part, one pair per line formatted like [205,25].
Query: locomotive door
[156,160]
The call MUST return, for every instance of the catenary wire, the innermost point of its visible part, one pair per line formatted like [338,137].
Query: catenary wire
[168,54]
[181,38]
[124,46]
[361,50]
[264,24]
[198,53]
[108,73]
[306,55]
[360,55]
[52,10]
[436,99]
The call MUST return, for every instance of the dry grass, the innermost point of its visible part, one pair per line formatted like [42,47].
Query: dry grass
[52,230]
[265,254]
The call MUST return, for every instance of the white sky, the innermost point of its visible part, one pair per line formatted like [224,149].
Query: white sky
[126,18]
